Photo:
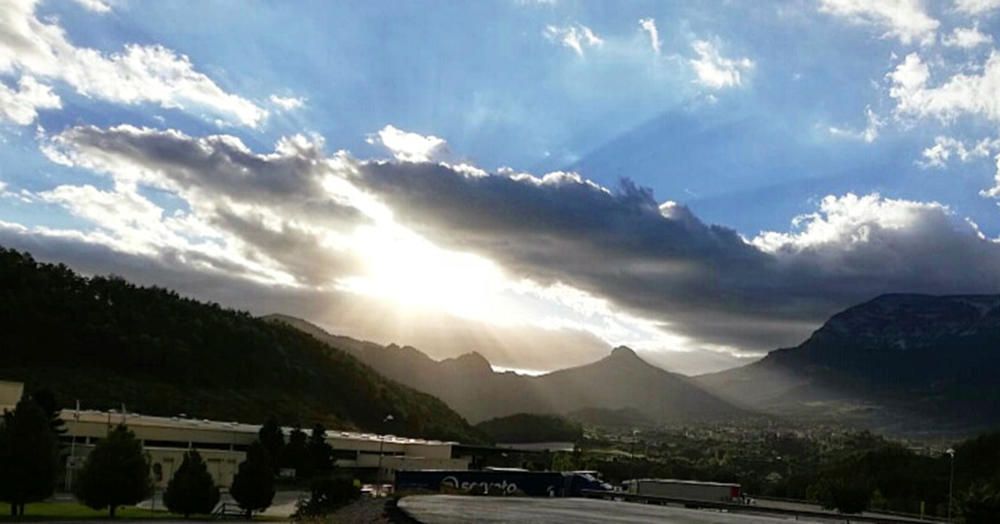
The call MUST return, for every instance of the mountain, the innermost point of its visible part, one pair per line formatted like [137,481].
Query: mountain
[105,342]
[914,362]
[622,380]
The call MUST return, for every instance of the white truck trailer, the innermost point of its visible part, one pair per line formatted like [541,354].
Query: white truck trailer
[686,490]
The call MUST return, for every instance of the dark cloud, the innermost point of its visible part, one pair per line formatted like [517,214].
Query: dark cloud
[276,203]
[660,262]
[664,263]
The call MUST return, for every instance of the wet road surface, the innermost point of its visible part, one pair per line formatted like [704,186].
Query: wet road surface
[455,509]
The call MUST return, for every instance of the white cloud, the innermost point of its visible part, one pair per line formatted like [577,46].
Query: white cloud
[847,220]
[648,25]
[966,38]
[21,106]
[976,7]
[97,6]
[287,103]
[408,147]
[903,19]
[946,147]
[868,134]
[714,70]
[962,94]
[577,37]
[138,74]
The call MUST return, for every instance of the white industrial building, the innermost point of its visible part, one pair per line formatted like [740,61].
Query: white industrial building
[223,445]
[10,395]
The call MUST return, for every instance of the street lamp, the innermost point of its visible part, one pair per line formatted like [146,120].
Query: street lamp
[635,436]
[381,444]
[951,480]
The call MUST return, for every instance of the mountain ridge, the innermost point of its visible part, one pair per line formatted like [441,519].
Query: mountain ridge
[901,360]
[467,383]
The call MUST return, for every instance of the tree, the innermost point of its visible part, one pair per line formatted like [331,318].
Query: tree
[46,399]
[296,454]
[326,495]
[320,452]
[273,440]
[844,495]
[192,489]
[981,504]
[116,473]
[253,485]
[28,456]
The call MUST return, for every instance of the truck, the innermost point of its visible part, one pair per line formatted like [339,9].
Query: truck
[500,482]
[685,490]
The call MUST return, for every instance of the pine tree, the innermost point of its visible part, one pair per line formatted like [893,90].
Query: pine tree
[253,485]
[28,456]
[273,440]
[47,400]
[296,454]
[320,453]
[191,490]
[116,473]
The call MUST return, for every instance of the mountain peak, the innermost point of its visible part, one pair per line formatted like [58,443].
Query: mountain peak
[624,353]
[472,361]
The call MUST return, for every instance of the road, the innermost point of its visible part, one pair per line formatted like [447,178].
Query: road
[455,509]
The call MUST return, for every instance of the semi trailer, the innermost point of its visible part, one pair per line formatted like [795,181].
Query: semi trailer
[685,490]
[501,482]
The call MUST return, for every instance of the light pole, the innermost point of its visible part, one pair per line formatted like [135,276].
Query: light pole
[951,480]
[381,444]
[635,436]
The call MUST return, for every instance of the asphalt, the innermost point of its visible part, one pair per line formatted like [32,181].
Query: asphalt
[455,509]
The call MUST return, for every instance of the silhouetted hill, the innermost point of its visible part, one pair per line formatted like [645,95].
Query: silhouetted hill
[527,427]
[626,418]
[106,342]
[913,362]
[469,385]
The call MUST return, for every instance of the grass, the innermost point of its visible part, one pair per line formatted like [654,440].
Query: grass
[46,511]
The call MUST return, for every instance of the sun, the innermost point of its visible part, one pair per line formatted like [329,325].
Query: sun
[407,269]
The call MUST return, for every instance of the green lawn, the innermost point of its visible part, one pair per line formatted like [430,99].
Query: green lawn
[74,511]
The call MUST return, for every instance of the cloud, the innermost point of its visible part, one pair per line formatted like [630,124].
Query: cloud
[97,6]
[286,217]
[869,134]
[715,71]
[966,38]
[648,25]
[961,94]
[946,147]
[976,7]
[287,103]
[271,216]
[662,262]
[408,147]
[138,74]
[21,106]
[903,19]
[577,37]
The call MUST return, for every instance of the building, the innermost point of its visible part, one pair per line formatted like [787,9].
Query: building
[223,445]
[10,395]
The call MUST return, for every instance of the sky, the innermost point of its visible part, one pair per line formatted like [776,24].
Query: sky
[538,181]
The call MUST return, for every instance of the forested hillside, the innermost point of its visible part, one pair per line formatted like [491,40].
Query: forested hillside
[528,427]
[106,342]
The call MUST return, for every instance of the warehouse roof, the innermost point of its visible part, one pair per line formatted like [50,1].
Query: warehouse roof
[181,421]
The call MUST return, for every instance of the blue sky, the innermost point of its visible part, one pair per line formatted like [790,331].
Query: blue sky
[873,123]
